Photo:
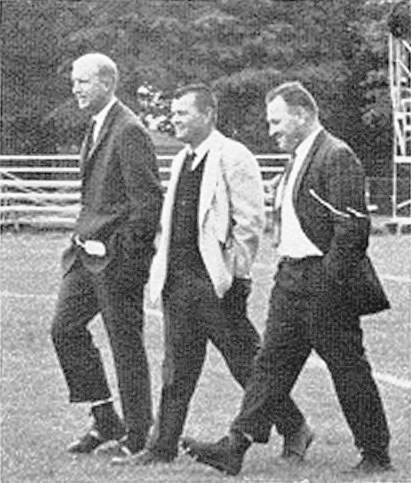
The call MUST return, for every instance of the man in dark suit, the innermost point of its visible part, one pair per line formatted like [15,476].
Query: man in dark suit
[324,283]
[107,264]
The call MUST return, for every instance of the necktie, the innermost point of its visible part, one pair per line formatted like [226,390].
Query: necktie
[189,159]
[88,140]
[278,201]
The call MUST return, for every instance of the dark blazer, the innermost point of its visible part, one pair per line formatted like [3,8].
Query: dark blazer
[329,199]
[121,194]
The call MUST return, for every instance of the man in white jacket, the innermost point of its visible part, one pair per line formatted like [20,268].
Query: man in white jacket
[212,221]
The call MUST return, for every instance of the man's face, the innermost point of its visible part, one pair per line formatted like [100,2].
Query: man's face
[285,124]
[191,126]
[91,92]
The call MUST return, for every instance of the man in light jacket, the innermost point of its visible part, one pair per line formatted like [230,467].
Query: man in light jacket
[211,224]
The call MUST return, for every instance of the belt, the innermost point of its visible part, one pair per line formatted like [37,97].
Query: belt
[298,261]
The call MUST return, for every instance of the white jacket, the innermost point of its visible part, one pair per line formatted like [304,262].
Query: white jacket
[230,215]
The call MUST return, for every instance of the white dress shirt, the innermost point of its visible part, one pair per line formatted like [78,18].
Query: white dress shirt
[201,150]
[101,117]
[294,243]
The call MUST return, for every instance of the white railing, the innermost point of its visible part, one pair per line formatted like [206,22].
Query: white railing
[45,190]
[400,89]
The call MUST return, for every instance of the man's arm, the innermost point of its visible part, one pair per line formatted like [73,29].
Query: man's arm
[345,188]
[143,190]
[246,198]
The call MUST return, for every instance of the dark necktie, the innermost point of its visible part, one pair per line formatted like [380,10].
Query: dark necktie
[188,160]
[88,140]
[277,209]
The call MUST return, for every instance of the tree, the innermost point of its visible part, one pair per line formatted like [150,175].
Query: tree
[337,49]
[29,56]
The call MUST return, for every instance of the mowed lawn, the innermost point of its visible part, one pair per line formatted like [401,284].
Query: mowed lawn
[38,422]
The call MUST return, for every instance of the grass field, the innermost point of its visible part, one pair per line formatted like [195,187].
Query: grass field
[38,422]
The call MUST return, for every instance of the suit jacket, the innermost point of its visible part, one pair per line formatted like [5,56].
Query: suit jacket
[121,195]
[329,199]
[230,215]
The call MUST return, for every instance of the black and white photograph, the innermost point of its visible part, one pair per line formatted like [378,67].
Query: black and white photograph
[205,241]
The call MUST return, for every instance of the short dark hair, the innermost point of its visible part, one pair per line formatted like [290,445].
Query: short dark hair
[204,96]
[294,95]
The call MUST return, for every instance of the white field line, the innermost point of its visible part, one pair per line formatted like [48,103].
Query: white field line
[313,361]
[396,278]
[16,295]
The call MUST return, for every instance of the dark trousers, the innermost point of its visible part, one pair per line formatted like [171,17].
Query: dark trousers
[193,315]
[82,295]
[299,321]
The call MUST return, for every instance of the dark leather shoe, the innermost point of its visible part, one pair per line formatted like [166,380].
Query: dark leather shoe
[106,426]
[93,439]
[127,447]
[296,444]
[226,455]
[370,464]
[87,443]
[143,458]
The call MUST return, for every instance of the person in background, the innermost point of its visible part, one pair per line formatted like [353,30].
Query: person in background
[108,261]
[323,284]
[212,221]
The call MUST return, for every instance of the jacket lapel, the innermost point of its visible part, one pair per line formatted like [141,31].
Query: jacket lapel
[212,169]
[84,150]
[171,189]
[83,160]
[307,162]
[104,132]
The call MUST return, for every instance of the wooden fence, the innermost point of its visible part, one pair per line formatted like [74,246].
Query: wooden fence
[44,191]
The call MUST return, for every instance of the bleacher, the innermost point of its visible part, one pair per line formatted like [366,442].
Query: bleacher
[44,191]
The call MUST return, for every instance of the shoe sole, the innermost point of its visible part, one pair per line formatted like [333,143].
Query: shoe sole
[125,456]
[86,451]
[119,461]
[216,465]
[185,444]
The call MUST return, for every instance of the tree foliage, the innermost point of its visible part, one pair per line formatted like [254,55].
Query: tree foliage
[337,49]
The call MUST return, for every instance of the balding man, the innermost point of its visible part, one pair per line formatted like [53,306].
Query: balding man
[107,264]
[323,284]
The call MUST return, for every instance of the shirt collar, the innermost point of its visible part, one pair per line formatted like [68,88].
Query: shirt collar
[100,117]
[203,148]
